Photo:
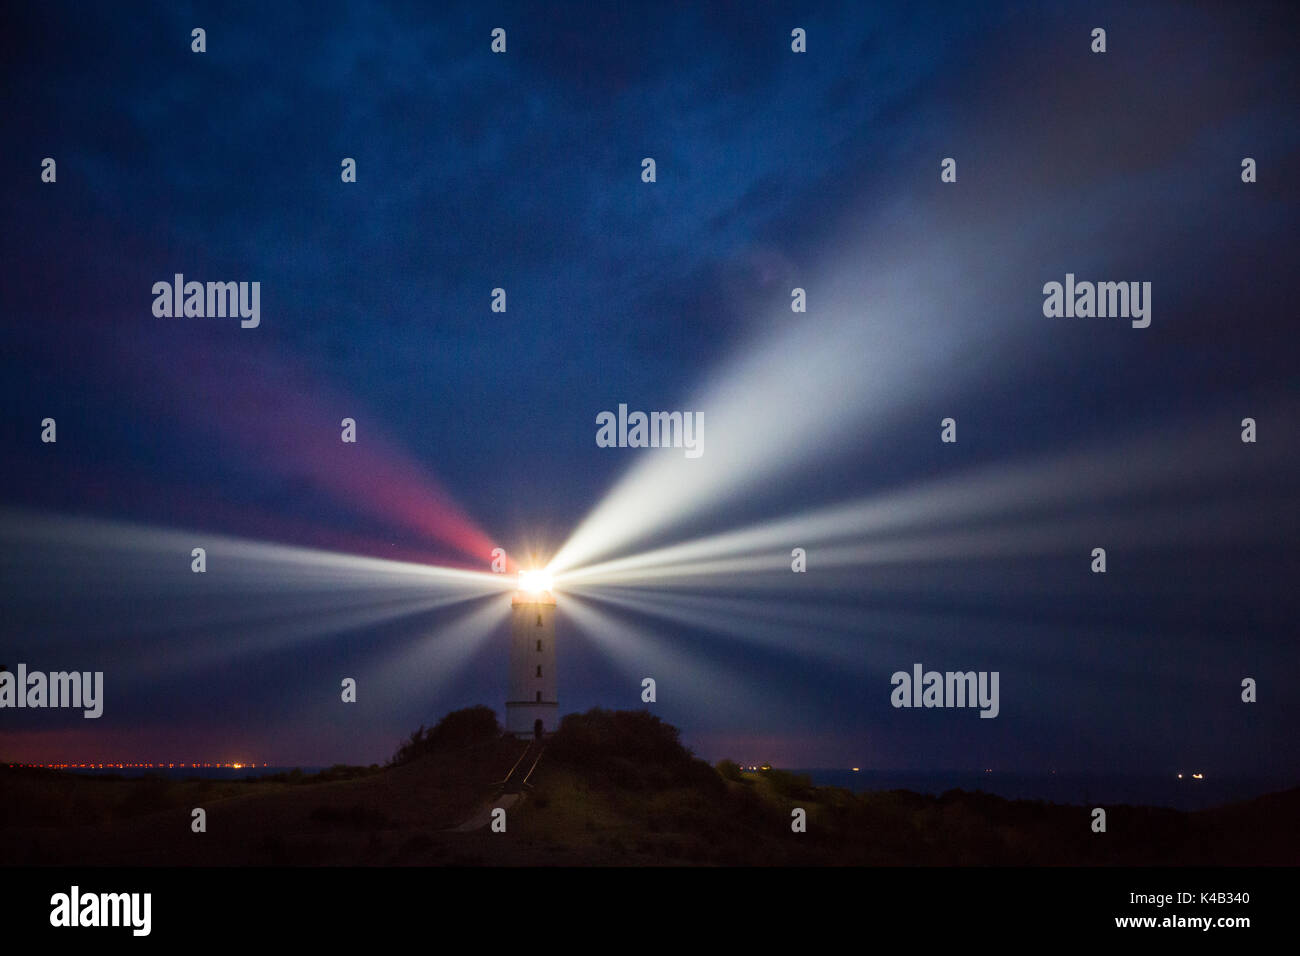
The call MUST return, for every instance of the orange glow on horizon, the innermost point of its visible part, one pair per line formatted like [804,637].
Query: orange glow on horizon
[126,765]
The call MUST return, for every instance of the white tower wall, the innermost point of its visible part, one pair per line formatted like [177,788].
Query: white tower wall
[532,695]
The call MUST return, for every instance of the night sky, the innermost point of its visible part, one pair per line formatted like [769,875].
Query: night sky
[476,429]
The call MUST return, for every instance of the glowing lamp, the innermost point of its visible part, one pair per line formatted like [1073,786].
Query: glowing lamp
[534,582]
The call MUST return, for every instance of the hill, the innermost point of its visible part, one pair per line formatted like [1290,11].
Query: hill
[612,788]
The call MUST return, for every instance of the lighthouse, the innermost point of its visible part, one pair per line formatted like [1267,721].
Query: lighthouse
[531,705]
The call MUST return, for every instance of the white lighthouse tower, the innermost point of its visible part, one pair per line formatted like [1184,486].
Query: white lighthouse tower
[531,705]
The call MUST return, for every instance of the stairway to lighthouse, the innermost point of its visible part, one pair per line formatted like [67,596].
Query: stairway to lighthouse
[517,780]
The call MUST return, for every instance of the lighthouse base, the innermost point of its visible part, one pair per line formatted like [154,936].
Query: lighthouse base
[522,717]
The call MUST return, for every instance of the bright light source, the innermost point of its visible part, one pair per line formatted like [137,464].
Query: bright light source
[534,581]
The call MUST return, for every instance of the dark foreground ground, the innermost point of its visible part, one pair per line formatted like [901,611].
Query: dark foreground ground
[617,790]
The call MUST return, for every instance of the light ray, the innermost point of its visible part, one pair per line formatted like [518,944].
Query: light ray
[253,598]
[800,631]
[683,676]
[428,663]
[997,510]
[132,555]
[808,385]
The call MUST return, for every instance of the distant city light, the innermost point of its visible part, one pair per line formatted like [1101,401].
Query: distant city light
[113,765]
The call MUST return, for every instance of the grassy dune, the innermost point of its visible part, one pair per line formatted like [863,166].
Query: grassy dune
[615,788]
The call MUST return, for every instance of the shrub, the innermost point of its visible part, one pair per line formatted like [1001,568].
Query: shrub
[629,749]
[460,728]
[789,784]
[730,770]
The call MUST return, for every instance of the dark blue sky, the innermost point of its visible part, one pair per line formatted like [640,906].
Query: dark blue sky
[775,170]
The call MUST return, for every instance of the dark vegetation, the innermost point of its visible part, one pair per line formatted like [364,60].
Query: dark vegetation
[613,788]
[458,730]
[340,771]
[630,750]
[356,817]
